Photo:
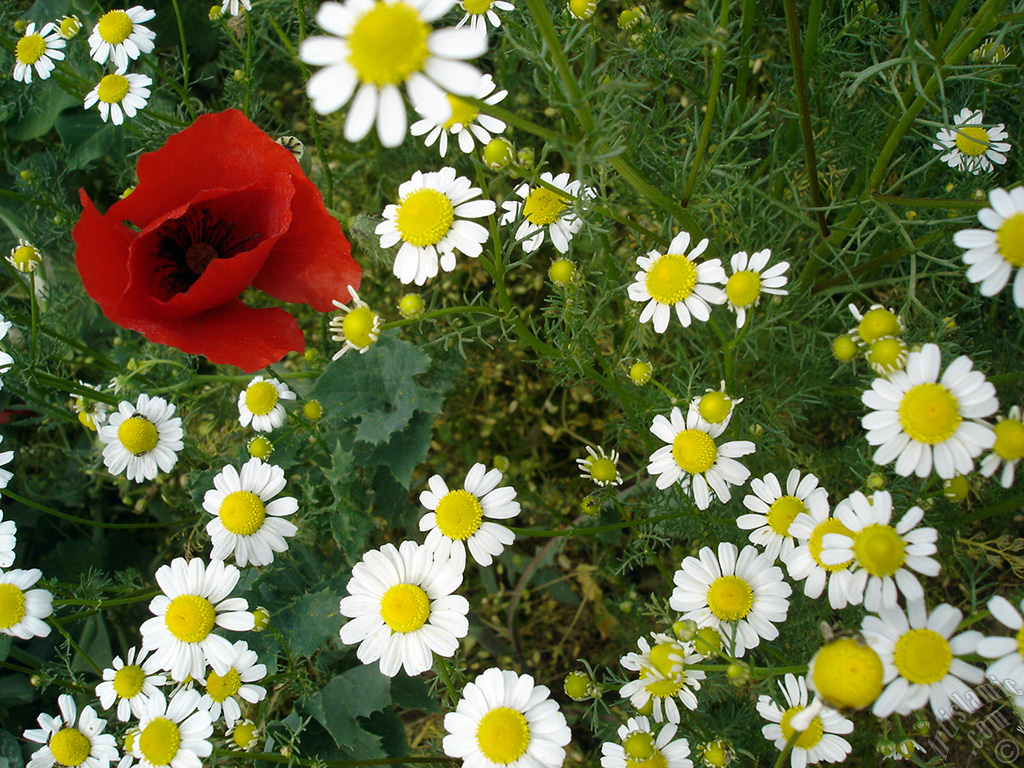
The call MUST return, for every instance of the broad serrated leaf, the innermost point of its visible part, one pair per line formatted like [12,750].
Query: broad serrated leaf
[405,449]
[309,621]
[413,693]
[353,694]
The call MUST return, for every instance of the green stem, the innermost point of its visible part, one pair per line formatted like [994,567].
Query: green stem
[186,84]
[746,35]
[137,597]
[95,523]
[549,534]
[248,63]
[35,317]
[249,758]
[77,648]
[783,757]
[72,387]
[507,116]
[1007,505]
[930,202]
[437,313]
[314,118]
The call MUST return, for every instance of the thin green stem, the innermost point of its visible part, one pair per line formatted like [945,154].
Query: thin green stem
[95,523]
[510,117]
[186,79]
[438,313]
[565,532]
[135,597]
[57,624]
[929,202]
[72,387]
[33,356]
[632,176]
[273,757]
[314,118]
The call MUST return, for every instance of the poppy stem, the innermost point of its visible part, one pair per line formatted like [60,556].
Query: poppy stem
[184,61]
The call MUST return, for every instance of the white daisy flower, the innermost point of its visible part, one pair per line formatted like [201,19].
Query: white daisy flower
[676,280]
[248,521]
[72,739]
[465,121]
[479,12]
[459,519]
[6,457]
[666,679]
[38,50]
[714,407]
[921,421]
[260,404]
[194,601]
[600,467]
[130,683]
[358,326]
[774,512]
[8,541]
[503,719]
[142,439]
[174,733]
[877,322]
[972,147]
[805,564]
[749,279]
[402,609]
[380,45]
[739,593]
[1007,669]
[239,682]
[233,6]
[431,221]
[1008,448]
[638,745]
[819,742]
[919,653]
[121,37]
[22,609]
[994,252]
[693,458]
[543,208]
[886,557]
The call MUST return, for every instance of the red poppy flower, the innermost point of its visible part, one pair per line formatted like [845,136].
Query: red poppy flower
[219,208]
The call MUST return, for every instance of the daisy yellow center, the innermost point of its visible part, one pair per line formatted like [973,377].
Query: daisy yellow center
[656,760]
[1010,239]
[261,397]
[662,687]
[929,413]
[782,512]
[743,288]
[807,739]
[730,598]
[880,550]
[463,113]
[30,49]
[242,513]
[159,741]
[667,659]
[458,514]
[12,605]
[114,27]
[887,353]
[405,608]
[128,681]
[878,322]
[388,44]
[70,746]
[922,656]
[639,746]
[972,140]
[1020,641]
[190,618]
[138,435]
[357,327]
[25,257]
[694,451]
[848,674]
[603,470]
[671,279]
[476,7]
[715,754]
[244,734]
[503,735]
[424,217]
[1009,439]
[714,407]
[831,525]
[112,89]
[543,207]
[221,687]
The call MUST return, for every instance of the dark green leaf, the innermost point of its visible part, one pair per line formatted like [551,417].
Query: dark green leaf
[353,694]
[309,621]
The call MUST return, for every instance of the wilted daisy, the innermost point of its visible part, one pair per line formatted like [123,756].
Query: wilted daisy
[244,735]
[600,467]
[676,280]
[666,679]
[805,564]
[239,682]
[379,45]
[749,279]
[923,421]
[431,221]
[130,683]
[1008,652]
[194,601]
[972,147]
[887,354]
[248,521]
[119,96]
[544,208]
[402,609]
[358,326]
[92,414]
[1007,449]
[774,511]
[465,121]
[739,593]
[877,322]
[820,742]
[25,257]
[638,745]
[173,732]
[260,404]
[22,609]
[460,518]
[504,719]
[234,6]
[479,12]
[121,37]
[142,439]
[886,557]
[919,652]
[38,50]
[692,457]
[72,739]
[714,407]
[994,252]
